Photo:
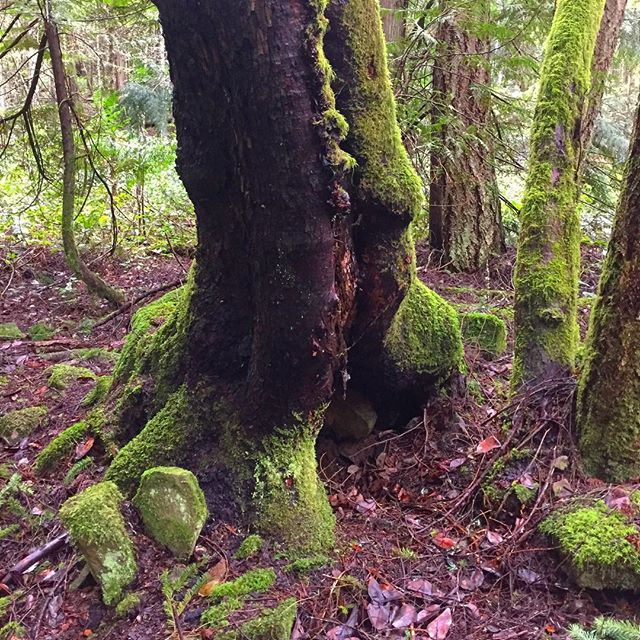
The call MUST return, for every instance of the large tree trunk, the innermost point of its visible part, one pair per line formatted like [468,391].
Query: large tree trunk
[393,20]
[609,391]
[305,276]
[548,255]
[465,221]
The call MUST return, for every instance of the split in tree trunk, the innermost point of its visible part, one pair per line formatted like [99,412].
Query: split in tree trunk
[304,280]
[94,282]
[609,391]
[548,253]
[465,221]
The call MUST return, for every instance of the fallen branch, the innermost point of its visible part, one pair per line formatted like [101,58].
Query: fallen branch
[35,556]
[135,301]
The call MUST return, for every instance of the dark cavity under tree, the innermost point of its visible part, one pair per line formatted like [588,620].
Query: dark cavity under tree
[548,253]
[609,391]
[305,279]
[465,221]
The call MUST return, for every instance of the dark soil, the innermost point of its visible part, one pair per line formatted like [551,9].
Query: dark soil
[415,532]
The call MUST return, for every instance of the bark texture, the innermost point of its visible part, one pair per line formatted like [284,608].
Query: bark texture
[305,273]
[548,252]
[393,22]
[609,390]
[465,221]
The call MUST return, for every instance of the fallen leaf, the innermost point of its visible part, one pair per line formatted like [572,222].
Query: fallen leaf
[382,594]
[379,615]
[488,444]
[493,537]
[406,616]
[561,463]
[527,575]
[472,582]
[82,448]
[216,574]
[439,628]
[444,542]
[366,506]
[562,488]
[421,586]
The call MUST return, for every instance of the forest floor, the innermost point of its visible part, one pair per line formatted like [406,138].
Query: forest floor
[423,551]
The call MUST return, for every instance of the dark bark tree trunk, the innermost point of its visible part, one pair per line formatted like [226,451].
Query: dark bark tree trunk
[94,282]
[548,253]
[305,276]
[465,221]
[609,391]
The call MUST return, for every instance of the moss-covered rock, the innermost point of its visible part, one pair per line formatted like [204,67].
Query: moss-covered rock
[250,546]
[271,624]
[10,331]
[62,375]
[172,507]
[40,331]
[98,531]
[485,331]
[598,545]
[18,424]
[350,418]
[64,443]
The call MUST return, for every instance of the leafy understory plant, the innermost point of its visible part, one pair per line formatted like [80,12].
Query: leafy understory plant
[174,607]
[606,629]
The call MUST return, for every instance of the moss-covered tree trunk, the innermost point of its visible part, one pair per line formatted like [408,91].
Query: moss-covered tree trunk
[305,278]
[548,253]
[609,392]
[465,221]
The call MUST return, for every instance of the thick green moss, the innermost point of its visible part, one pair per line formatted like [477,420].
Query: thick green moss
[61,375]
[172,507]
[98,530]
[10,331]
[385,173]
[40,331]
[64,443]
[597,543]
[309,564]
[99,391]
[547,264]
[485,331]
[127,605]
[424,336]
[250,546]
[271,624]
[18,424]
[290,500]
[165,440]
[229,597]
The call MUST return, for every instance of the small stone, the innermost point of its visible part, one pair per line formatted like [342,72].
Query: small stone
[10,331]
[172,507]
[20,423]
[484,331]
[98,531]
[350,418]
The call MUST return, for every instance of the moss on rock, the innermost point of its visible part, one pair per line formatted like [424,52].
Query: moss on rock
[98,531]
[62,375]
[424,337]
[20,423]
[597,543]
[485,331]
[350,418]
[172,507]
[10,331]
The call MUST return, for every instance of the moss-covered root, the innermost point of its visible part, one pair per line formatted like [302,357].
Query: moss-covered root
[63,444]
[547,264]
[485,331]
[597,543]
[166,439]
[423,342]
[98,531]
[608,416]
[99,391]
[289,500]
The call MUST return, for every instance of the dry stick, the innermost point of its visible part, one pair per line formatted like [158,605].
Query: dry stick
[35,556]
[135,301]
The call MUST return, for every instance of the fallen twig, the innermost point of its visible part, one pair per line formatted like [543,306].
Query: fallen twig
[35,556]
